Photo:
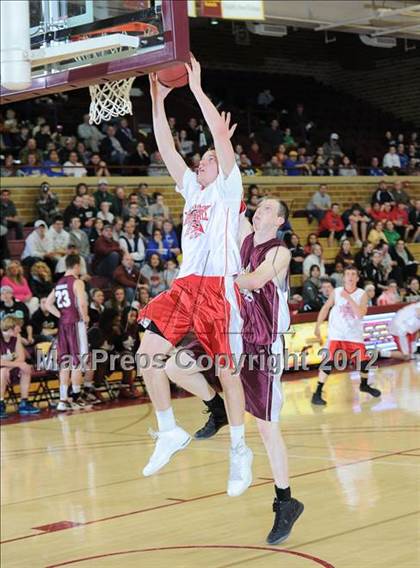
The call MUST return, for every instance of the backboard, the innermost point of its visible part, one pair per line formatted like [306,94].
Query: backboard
[57,27]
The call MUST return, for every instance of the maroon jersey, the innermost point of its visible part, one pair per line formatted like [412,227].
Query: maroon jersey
[65,300]
[265,312]
[8,348]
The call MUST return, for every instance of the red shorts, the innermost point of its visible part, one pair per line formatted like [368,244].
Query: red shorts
[406,343]
[350,348]
[207,305]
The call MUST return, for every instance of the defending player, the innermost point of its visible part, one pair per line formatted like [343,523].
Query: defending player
[204,297]
[68,302]
[404,327]
[266,317]
[348,305]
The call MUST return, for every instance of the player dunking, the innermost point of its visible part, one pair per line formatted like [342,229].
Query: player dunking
[204,297]
[68,302]
[266,317]
[348,305]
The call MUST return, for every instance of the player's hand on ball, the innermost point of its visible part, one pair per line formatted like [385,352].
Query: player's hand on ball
[194,73]
[157,90]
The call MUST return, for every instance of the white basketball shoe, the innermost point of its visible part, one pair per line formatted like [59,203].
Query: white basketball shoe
[240,474]
[167,444]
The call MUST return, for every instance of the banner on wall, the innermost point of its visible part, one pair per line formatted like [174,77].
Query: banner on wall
[227,9]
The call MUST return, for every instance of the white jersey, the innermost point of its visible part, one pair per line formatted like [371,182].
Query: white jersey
[343,324]
[211,225]
[406,320]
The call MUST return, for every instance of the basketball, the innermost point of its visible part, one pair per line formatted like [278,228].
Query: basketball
[174,77]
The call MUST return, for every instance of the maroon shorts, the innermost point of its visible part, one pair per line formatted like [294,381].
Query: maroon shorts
[14,375]
[72,344]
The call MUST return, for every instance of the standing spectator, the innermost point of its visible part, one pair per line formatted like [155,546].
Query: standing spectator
[40,279]
[331,225]
[153,271]
[391,162]
[314,258]
[127,274]
[79,238]
[406,265]
[346,168]
[399,195]
[319,203]
[332,148]
[107,253]
[344,255]
[103,193]
[298,255]
[376,234]
[111,149]
[73,167]
[159,209]
[8,214]
[140,159]
[131,243]
[374,169]
[391,235]
[90,134]
[47,204]
[390,295]
[38,244]
[311,293]
[16,280]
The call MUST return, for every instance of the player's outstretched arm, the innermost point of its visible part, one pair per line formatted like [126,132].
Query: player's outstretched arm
[50,305]
[274,267]
[219,124]
[165,142]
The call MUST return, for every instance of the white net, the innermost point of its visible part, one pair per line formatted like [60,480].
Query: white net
[110,100]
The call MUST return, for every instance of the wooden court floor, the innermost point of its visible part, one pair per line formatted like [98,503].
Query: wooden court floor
[72,494]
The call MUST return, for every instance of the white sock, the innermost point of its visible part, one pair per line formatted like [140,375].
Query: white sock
[63,392]
[166,419]
[76,388]
[237,434]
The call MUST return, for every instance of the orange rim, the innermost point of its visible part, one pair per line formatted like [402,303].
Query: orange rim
[139,28]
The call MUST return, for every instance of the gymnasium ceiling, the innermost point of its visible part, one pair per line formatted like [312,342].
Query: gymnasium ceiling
[384,18]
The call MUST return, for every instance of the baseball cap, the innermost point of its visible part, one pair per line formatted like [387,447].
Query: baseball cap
[102,181]
[334,136]
[6,289]
[40,223]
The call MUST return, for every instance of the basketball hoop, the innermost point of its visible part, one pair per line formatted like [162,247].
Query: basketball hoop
[112,99]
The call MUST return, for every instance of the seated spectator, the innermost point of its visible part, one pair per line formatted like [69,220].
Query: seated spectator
[107,253]
[140,159]
[312,301]
[363,257]
[338,275]
[331,225]
[52,166]
[399,216]
[376,212]
[159,209]
[13,366]
[82,189]
[171,272]
[156,245]
[383,194]
[288,138]
[38,245]
[273,167]
[265,98]
[373,272]
[414,217]
[79,238]
[118,301]
[311,240]
[16,280]
[61,264]
[11,307]
[170,239]
[125,135]
[40,279]
[97,167]
[9,168]
[73,167]
[103,194]
[153,271]
[318,167]
[32,167]
[143,298]
[8,214]
[157,166]
[47,204]
[95,232]
[399,195]
[387,262]
[391,162]
[391,235]
[120,207]
[104,212]
[344,255]
[131,242]
[376,234]
[251,207]
[357,225]
[413,290]
[374,169]
[90,134]
[346,168]
[245,166]
[30,149]
[111,149]
[59,237]
[298,254]
[255,155]
[390,295]
[83,153]
[293,167]
[406,265]
[332,148]
[75,209]
[314,258]
[330,168]
[96,305]
[319,203]
[127,275]
[404,159]
[371,294]
[327,288]
[184,146]
[89,211]
[44,324]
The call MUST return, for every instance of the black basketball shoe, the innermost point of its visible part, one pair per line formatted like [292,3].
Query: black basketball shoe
[286,514]
[217,419]
[370,390]
[317,399]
